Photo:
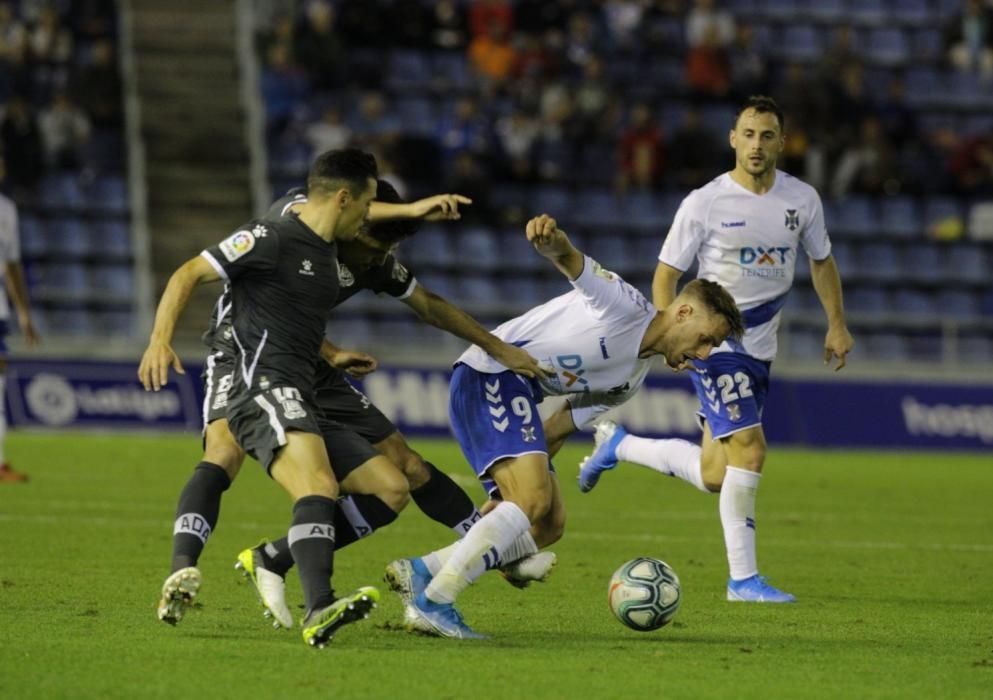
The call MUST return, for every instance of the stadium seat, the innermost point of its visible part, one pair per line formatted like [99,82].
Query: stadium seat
[523,292]
[555,200]
[801,272]
[431,247]
[34,236]
[596,207]
[977,125]
[879,261]
[70,321]
[779,10]
[517,253]
[61,192]
[926,347]
[356,330]
[289,159]
[802,298]
[888,47]
[976,349]
[925,262]
[868,12]
[614,253]
[64,279]
[479,248]
[451,71]
[922,87]
[112,238]
[643,210]
[718,119]
[410,71]
[441,283]
[800,43]
[900,216]
[804,344]
[867,300]
[886,347]
[857,216]
[119,322]
[938,209]
[917,13]
[70,236]
[418,114]
[115,280]
[928,45]
[597,164]
[479,290]
[108,193]
[913,302]
[968,264]
[958,303]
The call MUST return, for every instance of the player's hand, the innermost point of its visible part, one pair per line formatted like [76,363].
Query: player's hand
[837,344]
[440,207]
[153,372]
[520,361]
[356,363]
[544,234]
[31,337]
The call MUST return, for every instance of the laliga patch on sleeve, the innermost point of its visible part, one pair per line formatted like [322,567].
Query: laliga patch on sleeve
[599,271]
[237,244]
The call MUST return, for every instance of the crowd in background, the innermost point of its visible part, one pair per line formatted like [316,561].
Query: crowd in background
[582,91]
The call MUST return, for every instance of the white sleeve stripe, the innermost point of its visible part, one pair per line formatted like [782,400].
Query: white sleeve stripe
[216,265]
[410,289]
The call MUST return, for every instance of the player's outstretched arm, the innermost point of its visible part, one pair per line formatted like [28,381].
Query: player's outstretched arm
[435,310]
[159,355]
[838,341]
[355,362]
[440,207]
[551,242]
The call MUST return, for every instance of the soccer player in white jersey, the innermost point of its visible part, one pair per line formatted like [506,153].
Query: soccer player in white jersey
[12,281]
[745,228]
[597,342]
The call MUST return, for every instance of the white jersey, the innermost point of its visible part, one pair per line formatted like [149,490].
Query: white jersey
[749,243]
[10,249]
[589,336]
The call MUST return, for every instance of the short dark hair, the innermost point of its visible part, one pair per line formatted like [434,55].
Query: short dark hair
[720,302]
[763,105]
[348,167]
[394,230]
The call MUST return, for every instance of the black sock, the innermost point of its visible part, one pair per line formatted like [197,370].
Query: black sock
[196,513]
[354,518]
[311,539]
[443,500]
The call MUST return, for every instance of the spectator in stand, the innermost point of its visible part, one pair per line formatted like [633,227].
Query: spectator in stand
[623,19]
[65,131]
[13,34]
[592,99]
[969,39]
[516,135]
[748,67]
[641,155]
[468,177]
[465,129]
[283,85]
[709,33]
[582,40]
[376,127]
[331,133]
[50,41]
[98,86]
[15,71]
[316,45]
[485,14]
[867,166]
[692,154]
[971,166]
[840,54]
[492,55]
[20,142]
[450,30]
[707,23]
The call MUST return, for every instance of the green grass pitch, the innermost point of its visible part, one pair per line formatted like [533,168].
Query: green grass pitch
[889,554]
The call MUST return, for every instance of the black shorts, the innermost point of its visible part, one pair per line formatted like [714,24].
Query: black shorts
[341,402]
[260,421]
[347,450]
[218,377]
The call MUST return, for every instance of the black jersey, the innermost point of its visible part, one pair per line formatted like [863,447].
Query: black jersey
[283,279]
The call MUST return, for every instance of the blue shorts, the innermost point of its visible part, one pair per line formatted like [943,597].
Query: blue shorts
[732,388]
[494,417]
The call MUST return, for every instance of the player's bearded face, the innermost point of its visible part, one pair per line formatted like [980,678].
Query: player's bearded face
[757,141]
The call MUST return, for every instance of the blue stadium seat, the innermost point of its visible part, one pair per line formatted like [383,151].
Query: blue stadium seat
[917,13]
[614,253]
[867,300]
[886,347]
[441,283]
[355,331]
[34,236]
[937,209]
[925,263]
[418,115]
[977,125]
[857,216]
[61,192]
[70,322]
[452,70]
[967,264]
[900,216]
[479,248]
[958,303]
[518,253]
[888,47]
[479,290]
[432,246]
[976,349]
[555,200]
[409,71]
[596,207]
[623,70]
[966,90]
[108,193]
[802,271]
[805,344]
[718,119]
[68,279]
[925,347]
[289,159]
[597,164]
[879,261]
[119,322]
[112,238]
[70,236]
[922,87]
[504,196]
[868,12]
[928,45]
[910,301]
[523,292]
[802,298]
[643,210]
[802,43]
[115,280]
[779,10]
[844,257]
[828,11]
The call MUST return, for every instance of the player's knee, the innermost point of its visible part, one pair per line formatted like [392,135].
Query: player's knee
[535,502]
[550,529]
[746,450]
[414,469]
[394,492]
[228,457]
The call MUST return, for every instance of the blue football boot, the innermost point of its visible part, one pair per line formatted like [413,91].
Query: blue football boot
[756,589]
[606,437]
[439,619]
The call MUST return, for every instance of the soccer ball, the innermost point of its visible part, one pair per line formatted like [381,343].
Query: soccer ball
[644,594]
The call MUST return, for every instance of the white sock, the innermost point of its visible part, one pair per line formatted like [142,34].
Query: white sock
[482,548]
[679,458]
[518,549]
[3,417]
[738,518]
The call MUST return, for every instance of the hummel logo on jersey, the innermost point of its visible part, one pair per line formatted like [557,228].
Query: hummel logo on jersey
[732,224]
[792,219]
[305,268]
[345,276]
[259,231]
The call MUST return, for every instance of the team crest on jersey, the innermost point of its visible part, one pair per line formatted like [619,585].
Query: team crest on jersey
[237,244]
[400,273]
[734,412]
[527,434]
[599,271]
[306,268]
[345,276]
[792,219]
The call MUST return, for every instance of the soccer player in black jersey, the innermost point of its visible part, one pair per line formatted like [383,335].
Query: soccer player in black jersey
[283,277]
